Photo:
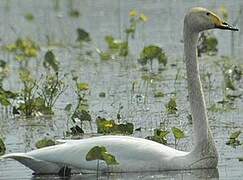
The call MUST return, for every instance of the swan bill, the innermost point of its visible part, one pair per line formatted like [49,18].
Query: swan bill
[226,26]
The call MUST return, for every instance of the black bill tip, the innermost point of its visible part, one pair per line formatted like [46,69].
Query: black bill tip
[226,26]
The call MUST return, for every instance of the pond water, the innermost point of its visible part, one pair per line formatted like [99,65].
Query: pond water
[122,80]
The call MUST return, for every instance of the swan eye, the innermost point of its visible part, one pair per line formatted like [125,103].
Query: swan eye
[208,13]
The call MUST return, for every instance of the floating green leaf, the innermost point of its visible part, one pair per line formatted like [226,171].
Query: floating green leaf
[29,16]
[159,94]
[50,61]
[234,139]
[171,106]
[152,52]
[74,13]
[159,136]
[83,86]
[110,127]
[178,133]
[44,143]
[68,107]
[2,147]
[83,35]
[102,94]
[100,153]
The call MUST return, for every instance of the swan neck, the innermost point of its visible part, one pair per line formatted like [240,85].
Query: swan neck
[196,97]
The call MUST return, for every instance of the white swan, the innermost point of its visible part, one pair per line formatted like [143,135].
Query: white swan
[136,154]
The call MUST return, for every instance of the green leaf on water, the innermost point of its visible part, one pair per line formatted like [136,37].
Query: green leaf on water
[50,61]
[178,133]
[110,127]
[29,16]
[68,107]
[4,100]
[160,136]
[235,134]
[44,143]
[100,153]
[2,147]
[159,94]
[234,139]
[83,35]
[105,55]
[171,106]
[82,86]
[152,52]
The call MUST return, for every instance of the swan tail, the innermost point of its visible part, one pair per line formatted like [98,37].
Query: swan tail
[38,166]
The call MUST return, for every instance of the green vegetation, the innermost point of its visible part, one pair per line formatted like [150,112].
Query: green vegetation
[171,106]
[2,147]
[44,143]
[110,127]
[159,136]
[100,153]
[207,44]
[151,52]
[178,135]
[23,49]
[118,47]
[29,16]
[80,113]
[234,139]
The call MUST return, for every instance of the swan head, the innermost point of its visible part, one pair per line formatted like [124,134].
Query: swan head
[199,19]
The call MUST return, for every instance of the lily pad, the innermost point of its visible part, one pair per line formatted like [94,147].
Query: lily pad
[44,143]
[100,153]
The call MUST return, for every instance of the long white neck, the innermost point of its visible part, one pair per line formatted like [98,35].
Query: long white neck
[202,134]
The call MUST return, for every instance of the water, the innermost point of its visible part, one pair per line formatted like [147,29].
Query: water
[107,17]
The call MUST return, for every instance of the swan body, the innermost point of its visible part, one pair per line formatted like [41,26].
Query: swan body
[137,154]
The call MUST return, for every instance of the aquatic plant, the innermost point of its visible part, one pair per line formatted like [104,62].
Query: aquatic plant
[39,96]
[178,135]
[151,52]
[118,47]
[29,17]
[82,36]
[23,49]
[4,71]
[44,143]
[100,153]
[171,106]
[2,147]
[207,44]
[53,86]
[6,96]
[105,126]
[80,113]
[159,136]
[234,139]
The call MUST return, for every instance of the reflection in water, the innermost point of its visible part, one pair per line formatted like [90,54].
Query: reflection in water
[177,175]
